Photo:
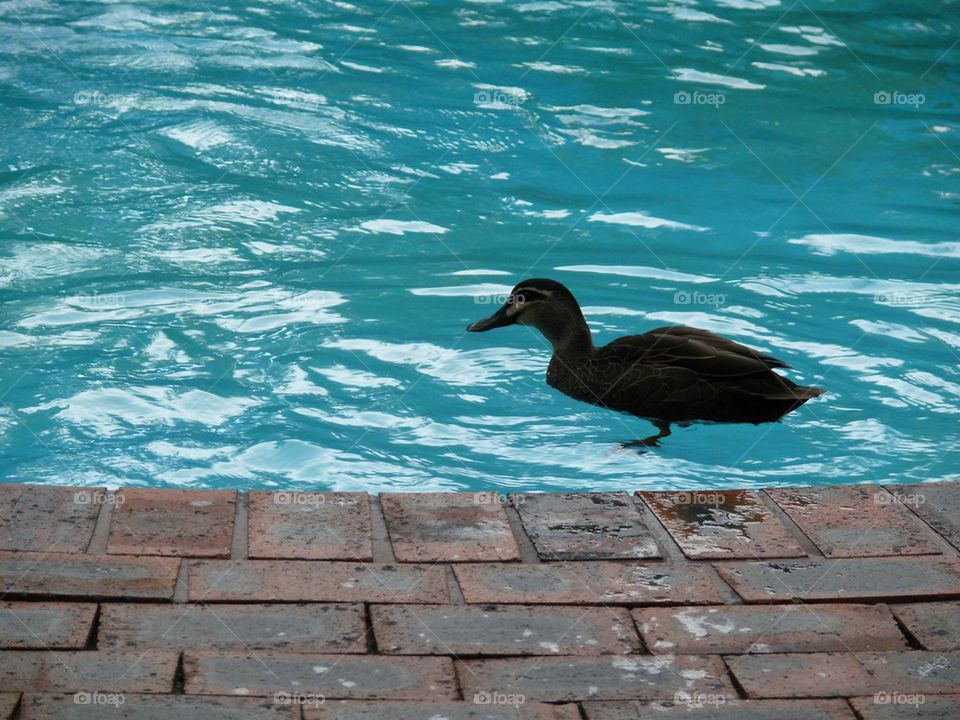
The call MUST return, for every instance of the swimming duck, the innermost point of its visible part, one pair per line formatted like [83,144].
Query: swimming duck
[668,375]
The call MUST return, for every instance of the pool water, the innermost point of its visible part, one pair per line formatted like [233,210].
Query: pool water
[240,242]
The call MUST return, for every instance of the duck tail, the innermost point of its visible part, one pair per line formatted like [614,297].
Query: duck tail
[807,393]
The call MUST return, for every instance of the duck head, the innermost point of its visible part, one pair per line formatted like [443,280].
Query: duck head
[549,307]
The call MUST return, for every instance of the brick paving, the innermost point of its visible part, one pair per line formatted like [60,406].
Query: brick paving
[788,604]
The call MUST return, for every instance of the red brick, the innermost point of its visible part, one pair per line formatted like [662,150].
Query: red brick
[88,576]
[182,523]
[937,503]
[284,628]
[851,579]
[728,710]
[44,518]
[315,581]
[468,710]
[741,629]
[907,706]
[847,674]
[722,524]
[936,624]
[8,705]
[585,526]
[583,583]
[40,625]
[502,630]
[332,676]
[438,527]
[144,671]
[154,707]
[310,526]
[857,521]
[631,677]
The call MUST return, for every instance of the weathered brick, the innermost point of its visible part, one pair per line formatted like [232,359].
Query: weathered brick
[741,629]
[722,524]
[907,706]
[727,710]
[182,523]
[284,628]
[937,503]
[437,527]
[469,710]
[587,583]
[851,579]
[45,518]
[309,526]
[855,521]
[151,707]
[89,576]
[332,676]
[8,705]
[502,630]
[847,674]
[936,625]
[585,526]
[315,581]
[633,677]
[143,671]
[40,625]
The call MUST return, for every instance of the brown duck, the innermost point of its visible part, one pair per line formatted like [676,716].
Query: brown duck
[668,375]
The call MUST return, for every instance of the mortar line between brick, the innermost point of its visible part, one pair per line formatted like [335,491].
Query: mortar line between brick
[853,710]
[672,551]
[949,549]
[181,590]
[799,535]
[912,640]
[528,552]
[453,587]
[381,548]
[741,691]
[241,516]
[101,530]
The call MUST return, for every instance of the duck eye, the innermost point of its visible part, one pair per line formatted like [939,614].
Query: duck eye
[515,299]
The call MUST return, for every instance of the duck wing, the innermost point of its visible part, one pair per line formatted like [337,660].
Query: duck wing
[702,352]
[680,373]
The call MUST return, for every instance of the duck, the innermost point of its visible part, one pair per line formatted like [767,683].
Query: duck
[670,375]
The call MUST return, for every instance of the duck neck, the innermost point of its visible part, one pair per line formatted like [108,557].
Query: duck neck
[571,336]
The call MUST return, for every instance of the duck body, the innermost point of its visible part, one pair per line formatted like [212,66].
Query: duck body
[678,375]
[668,375]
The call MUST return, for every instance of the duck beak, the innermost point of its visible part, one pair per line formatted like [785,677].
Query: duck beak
[498,319]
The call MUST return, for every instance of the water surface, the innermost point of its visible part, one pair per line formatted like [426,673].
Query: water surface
[240,242]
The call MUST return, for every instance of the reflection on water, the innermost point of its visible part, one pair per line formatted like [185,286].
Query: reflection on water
[240,246]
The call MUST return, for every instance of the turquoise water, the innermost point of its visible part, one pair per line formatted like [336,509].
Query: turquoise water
[240,243]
